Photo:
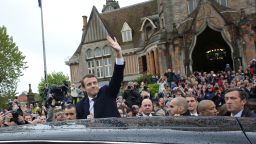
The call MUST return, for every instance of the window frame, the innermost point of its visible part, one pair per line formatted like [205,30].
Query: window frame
[97,49]
[89,53]
[126,33]
[194,5]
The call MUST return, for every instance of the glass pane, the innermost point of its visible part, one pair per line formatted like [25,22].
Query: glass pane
[223,2]
[89,64]
[98,63]
[101,72]
[97,52]
[190,6]
[89,53]
[107,71]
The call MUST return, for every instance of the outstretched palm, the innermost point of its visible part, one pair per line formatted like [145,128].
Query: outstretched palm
[113,43]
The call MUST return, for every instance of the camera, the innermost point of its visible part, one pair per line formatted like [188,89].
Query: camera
[58,93]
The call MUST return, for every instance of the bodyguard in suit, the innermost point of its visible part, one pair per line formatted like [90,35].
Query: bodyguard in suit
[101,102]
[235,99]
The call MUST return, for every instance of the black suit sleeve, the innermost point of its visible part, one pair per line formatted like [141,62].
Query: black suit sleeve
[116,80]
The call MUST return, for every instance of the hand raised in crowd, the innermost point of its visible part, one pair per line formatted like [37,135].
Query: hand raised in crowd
[90,116]
[113,43]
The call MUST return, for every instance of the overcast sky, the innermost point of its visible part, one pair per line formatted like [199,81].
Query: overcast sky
[62,28]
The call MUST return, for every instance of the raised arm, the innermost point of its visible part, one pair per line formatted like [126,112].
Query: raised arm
[118,73]
[114,44]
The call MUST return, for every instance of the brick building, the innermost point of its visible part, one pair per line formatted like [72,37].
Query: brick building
[185,35]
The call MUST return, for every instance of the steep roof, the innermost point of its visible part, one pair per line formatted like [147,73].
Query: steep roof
[229,15]
[114,20]
[133,15]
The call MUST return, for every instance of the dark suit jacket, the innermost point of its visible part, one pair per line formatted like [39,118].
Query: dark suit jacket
[105,102]
[246,113]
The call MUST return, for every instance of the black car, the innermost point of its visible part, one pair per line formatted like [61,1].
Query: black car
[197,130]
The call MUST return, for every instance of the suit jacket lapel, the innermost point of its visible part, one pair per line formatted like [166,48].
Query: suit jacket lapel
[86,107]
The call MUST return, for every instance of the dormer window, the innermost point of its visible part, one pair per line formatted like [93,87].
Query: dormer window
[89,53]
[98,52]
[126,33]
[192,4]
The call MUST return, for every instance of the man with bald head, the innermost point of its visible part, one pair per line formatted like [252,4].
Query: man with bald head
[146,108]
[207,108]
[178,106]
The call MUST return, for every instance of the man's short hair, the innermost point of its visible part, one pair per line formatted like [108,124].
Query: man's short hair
[70,106]
[27,114]
[242,93]
[86,76]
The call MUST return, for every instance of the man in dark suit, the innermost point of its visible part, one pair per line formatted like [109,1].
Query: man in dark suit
[101,102]
[236,99]
[146,108]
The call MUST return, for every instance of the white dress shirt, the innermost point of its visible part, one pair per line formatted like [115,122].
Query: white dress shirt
[239,114]
[91,103]
[119,61]
[194,114]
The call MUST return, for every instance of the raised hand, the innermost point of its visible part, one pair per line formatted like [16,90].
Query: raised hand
[113,43]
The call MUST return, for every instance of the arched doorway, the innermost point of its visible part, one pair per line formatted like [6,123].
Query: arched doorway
[211,52]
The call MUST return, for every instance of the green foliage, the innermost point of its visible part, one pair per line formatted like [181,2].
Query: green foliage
[153,88]
[147,79]
[40,98]
[11,66]
[4,101]
[55,78]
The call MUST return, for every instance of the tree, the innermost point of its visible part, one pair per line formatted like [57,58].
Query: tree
[11,65]
[55,78]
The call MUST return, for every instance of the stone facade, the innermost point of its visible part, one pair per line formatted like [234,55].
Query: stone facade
[166,35]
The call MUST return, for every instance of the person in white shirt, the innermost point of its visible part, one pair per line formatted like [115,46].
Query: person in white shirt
[236,99]
[192,105]
[101,101]
[146,108]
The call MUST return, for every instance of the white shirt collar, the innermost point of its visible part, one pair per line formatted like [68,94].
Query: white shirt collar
[146,115]
[90,98]
[194,114]
[239,114]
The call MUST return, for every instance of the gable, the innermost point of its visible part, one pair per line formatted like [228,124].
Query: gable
[96,30]
[132,15]
[126,27]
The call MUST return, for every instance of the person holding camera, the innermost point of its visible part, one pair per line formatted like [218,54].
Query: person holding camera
[131,95]
[101,102]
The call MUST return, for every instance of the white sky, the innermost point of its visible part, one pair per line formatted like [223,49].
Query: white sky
[62,29]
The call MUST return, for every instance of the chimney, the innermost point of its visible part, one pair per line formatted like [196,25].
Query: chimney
[84,22]
[29,90]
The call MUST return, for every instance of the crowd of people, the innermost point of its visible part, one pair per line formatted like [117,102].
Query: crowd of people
[225,93]
[222,93]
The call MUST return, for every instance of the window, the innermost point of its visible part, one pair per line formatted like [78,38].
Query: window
[98,52]
[99,69]
[192,4]
[91,67]
[126,33]
[107,67]
[89,53]
[107,51]
[100,63]
[223,2]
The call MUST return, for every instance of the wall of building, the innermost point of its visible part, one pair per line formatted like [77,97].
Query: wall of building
[248,5]
[74,73]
